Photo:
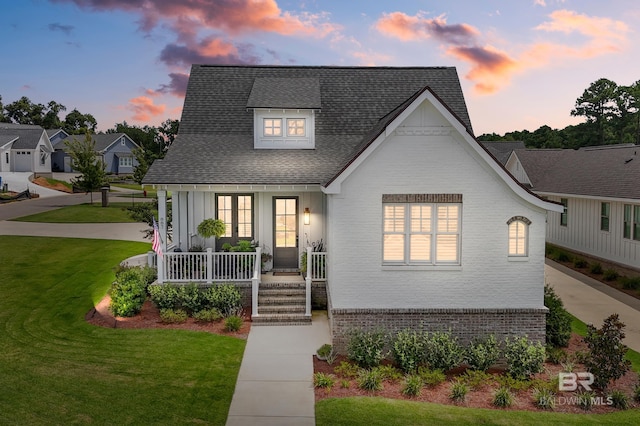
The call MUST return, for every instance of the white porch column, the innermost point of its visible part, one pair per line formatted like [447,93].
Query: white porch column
[162,228]
[308,283]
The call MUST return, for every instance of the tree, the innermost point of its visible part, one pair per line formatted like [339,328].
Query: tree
[85,161]
[598,105]
[23,111]
[51,118]
[3,118]
[77,123]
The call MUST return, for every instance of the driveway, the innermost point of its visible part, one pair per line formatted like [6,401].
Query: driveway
[19,181]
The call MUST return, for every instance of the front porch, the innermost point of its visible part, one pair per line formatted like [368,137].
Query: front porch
[273,298]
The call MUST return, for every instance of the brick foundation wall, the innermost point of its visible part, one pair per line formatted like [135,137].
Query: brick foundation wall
[465,324]
[319,295]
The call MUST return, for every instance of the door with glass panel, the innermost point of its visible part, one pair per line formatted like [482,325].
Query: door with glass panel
[236,211]
[285,227]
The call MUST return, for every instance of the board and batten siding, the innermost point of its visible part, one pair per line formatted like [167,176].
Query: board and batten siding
[427,156]
[583,233]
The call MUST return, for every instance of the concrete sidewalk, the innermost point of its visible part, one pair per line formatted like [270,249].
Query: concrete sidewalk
[275,382]
[103,231]
[592,301]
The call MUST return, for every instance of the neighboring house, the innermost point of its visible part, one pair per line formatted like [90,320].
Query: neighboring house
[24,148]
[600,190]
[56,137]
[502,150]
[114,149]
[420,225]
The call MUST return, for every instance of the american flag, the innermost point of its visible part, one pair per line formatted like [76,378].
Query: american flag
[156,243]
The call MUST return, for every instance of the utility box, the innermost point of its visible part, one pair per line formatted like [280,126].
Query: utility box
[105,196]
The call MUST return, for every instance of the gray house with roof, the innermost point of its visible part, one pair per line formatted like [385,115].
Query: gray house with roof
[418,225]
[115,150]
[599,188]
[24,148]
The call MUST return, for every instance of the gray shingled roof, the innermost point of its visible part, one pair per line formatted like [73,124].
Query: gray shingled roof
[215,141]
[103,140]
[28,135]
[610,171]
[502,150]
[301,93]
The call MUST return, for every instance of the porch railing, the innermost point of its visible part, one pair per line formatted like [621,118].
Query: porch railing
[208,266]
[316,271]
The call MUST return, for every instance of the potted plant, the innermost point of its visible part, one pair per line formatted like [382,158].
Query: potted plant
[211,228]
[324,352]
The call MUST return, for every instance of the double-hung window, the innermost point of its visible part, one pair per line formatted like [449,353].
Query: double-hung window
[631,223]
[421,233]
[563,215]
[605,212]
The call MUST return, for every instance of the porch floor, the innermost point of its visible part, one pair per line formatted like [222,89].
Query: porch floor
[270,278]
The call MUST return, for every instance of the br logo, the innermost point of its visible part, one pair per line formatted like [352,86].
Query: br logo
[571,381]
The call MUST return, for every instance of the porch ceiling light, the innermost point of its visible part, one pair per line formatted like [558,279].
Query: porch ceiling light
[307,216]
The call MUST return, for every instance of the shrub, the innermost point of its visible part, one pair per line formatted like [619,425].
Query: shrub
[595,268]
[128,293]
[544,398]
[482,354]
[347,369]
[524,358]
[475,379]
[562,256]
[370,380]
[586,400]
[224,297]
[431,377]
[556,355]
[207,315]
[366,347]
[165,296]
[502,397]
[189,297]
[636,393]
[171,316]
[412,385]
[459,391]
[442,351]
[232,323]
[630,283]
[324,351]
[558,330]
[389,373]
[619,400]
[579,262]
[345,384]
[579,357]
[606,360]
[408,350]
[322,380]
[610,275]
[515,384]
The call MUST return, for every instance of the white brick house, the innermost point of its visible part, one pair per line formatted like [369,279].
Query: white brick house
[422,226]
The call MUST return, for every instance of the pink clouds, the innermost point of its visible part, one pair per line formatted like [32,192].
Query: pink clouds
[492,68]
[144,109]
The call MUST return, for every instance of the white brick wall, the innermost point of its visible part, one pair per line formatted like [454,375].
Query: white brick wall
[425,164]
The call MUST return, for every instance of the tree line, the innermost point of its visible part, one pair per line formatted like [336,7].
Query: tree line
[153,140]
[612,116]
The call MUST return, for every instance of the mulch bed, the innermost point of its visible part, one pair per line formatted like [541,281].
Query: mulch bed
[477,398]
[149,317]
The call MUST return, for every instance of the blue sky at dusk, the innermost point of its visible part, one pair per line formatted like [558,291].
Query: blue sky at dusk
[522,63]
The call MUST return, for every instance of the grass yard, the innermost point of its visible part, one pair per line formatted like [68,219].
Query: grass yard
[83,213]
[151,193]
[372,411]
[57,369]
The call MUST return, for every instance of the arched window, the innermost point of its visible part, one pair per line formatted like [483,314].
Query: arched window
[518,236]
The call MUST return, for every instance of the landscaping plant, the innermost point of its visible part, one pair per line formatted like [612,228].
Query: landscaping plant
[412,385]
[366,347]
[128,292]
[232,323]
[502,397]
[459,391]
[370,380]
[524,358]
[606,360]
[442,351]
[173,316]
[558,330]
[408,350]
[482,353]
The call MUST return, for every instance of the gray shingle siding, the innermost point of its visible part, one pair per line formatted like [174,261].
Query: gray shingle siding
[215,141]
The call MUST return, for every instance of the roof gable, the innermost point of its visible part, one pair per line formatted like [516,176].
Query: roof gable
[26,136]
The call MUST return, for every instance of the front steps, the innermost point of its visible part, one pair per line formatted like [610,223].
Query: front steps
[281,303]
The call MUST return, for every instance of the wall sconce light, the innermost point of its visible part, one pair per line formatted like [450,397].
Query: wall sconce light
[307,216]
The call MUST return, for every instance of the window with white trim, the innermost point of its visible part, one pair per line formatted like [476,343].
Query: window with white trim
[420,233]
[605,212]
[564,214]
[125,161]
[518,236]
[284,129]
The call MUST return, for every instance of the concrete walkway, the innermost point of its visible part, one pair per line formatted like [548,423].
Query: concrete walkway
[275,382]
[592,301]
[104,231]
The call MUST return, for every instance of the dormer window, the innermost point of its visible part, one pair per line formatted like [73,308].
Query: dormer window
[284,112]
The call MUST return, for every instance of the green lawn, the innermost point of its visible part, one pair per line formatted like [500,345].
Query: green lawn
[57,369]
[83,213]
[151,193]
[371,411]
